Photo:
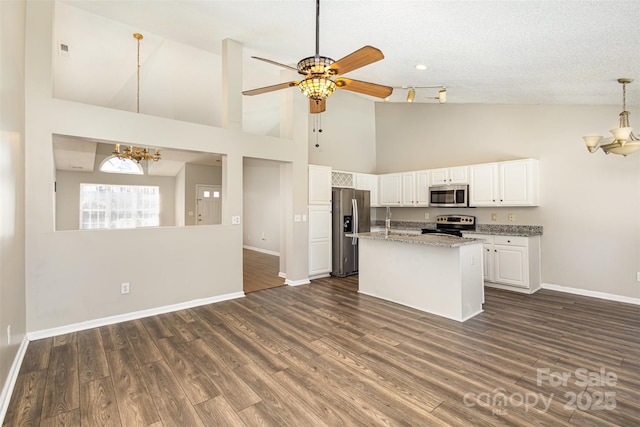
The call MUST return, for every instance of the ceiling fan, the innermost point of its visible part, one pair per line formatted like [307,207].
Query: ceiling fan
[318,70]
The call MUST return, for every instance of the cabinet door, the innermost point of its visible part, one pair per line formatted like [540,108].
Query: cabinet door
[439,176]
[519,183]
[369,182]
[319,185]
[483,185]
[459,175]
[408,189]
[487,262]
[511,265]
[320,240]
[390,189]
[422,188]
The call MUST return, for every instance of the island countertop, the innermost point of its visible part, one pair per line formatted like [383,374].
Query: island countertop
[435,239]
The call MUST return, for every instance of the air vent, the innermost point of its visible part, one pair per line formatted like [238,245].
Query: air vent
[63,49]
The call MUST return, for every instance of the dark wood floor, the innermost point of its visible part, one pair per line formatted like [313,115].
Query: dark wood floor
[260,271]
[321,354]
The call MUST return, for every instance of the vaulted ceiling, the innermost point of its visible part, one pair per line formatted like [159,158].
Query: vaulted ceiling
[521,52]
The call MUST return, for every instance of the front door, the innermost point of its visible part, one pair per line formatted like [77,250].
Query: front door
[209,204]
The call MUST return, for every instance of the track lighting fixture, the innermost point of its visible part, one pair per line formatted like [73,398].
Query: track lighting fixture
[411,95]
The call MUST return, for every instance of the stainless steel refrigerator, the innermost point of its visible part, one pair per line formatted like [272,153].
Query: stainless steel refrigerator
[351,210]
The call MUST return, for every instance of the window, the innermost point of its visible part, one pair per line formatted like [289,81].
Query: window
[119,206]
[112,164]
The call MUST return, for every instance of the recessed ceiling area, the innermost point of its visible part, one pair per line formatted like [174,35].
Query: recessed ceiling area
[84,155]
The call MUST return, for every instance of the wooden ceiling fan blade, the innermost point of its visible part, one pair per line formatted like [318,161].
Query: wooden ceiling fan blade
[266,89]
[289,67]
[371,89]
[317,106]
[361,57]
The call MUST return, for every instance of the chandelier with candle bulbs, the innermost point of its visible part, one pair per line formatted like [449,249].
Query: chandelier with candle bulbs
[130,152]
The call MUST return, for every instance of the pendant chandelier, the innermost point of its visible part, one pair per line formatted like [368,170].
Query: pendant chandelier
[130,152]
[623,142]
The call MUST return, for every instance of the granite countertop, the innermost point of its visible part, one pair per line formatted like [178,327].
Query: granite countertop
[490,229]
[442,240]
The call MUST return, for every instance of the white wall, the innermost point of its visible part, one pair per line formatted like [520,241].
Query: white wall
[261,205]
[590,203]
[70,275]
[12,228]
[348,137]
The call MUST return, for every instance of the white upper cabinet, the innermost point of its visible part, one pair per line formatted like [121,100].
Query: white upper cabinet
[365,181]
[513,183]
[422,188]
[456,175]
[319,185]
[483,185]
[408,189]
[390,187]
[519,183]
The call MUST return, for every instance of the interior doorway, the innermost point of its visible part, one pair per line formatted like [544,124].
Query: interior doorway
[208,204]
[263,212]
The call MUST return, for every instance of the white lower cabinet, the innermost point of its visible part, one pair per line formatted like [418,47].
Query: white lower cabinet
[319,241]
[511,262]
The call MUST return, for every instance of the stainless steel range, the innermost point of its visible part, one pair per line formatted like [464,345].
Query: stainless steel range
[452,224]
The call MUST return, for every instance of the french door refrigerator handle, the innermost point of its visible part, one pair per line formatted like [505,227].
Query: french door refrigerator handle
[356,226]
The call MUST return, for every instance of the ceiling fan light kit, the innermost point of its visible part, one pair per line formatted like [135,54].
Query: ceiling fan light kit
[317,84]
[623,142]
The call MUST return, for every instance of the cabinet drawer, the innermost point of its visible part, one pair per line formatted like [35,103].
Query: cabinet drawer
[510,240]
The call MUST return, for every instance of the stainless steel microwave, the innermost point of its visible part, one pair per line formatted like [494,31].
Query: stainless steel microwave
[449,196]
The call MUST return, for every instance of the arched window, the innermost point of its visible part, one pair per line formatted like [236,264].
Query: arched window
[112,164]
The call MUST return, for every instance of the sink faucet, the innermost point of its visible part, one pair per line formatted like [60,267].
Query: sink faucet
[387,222]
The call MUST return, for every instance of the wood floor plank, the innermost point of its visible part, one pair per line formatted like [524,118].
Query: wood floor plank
[25,407]
[61,394]
[135,403]
[197,386]
[92,361]
[98,405]
[236,391]
[173,406]
[278,399]
[38,355]
[218,412]
[113,337]
[142,345]
[63,419]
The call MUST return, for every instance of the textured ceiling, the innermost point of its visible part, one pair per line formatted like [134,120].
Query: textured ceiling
[519,52]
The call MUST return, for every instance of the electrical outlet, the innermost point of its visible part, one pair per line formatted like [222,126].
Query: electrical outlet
[494,216]
[125,288]
[9,333]
[512,217]
[263,236]
[235,220]
[638,276]
[426,215]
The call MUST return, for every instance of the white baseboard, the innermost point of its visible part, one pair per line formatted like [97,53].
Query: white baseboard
[593,294]
[46,333]
[264,251]
[7,390]
[297,282]
[283,275]
[319,276]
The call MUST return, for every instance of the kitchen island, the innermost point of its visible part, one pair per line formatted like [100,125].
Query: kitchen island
[435,273]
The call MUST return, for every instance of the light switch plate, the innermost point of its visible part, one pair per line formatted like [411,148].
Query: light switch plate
[296,218]
[494,217]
